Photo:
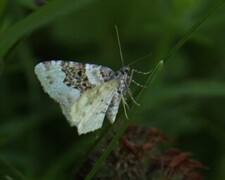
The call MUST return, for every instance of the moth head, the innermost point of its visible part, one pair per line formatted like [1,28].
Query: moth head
[125,70]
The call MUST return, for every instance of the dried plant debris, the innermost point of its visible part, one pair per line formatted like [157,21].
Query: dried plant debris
[138,156]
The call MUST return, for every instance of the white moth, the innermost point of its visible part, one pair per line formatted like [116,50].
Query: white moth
[86,92]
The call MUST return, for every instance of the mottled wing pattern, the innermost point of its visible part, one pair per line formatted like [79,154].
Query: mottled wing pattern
[89,110]
[65,81]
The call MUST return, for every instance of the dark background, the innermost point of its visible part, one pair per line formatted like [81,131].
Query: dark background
[186,102]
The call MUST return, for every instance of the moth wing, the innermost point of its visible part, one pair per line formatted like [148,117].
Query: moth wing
[113,107]
[52,79]
[62,80]
[89,110]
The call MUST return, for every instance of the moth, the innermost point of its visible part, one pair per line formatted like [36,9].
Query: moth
[86,92]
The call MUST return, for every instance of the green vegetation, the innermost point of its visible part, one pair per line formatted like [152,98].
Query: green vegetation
[184,98]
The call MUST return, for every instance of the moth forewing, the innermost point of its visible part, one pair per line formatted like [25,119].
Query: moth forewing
[86,92]
[52,78]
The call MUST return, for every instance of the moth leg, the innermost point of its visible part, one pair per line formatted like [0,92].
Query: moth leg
[141,72]
[140,85]
[132,98]
[125,105]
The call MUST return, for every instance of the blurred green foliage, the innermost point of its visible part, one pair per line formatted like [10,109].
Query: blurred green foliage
[187,102]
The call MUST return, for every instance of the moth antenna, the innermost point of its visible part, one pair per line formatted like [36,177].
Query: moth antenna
[118,39]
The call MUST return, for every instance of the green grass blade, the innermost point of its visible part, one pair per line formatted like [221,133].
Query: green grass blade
[89,150]
[133,110]
[193,29]
[36,20]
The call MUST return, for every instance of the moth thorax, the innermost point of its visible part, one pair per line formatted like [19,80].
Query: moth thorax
[124,78]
